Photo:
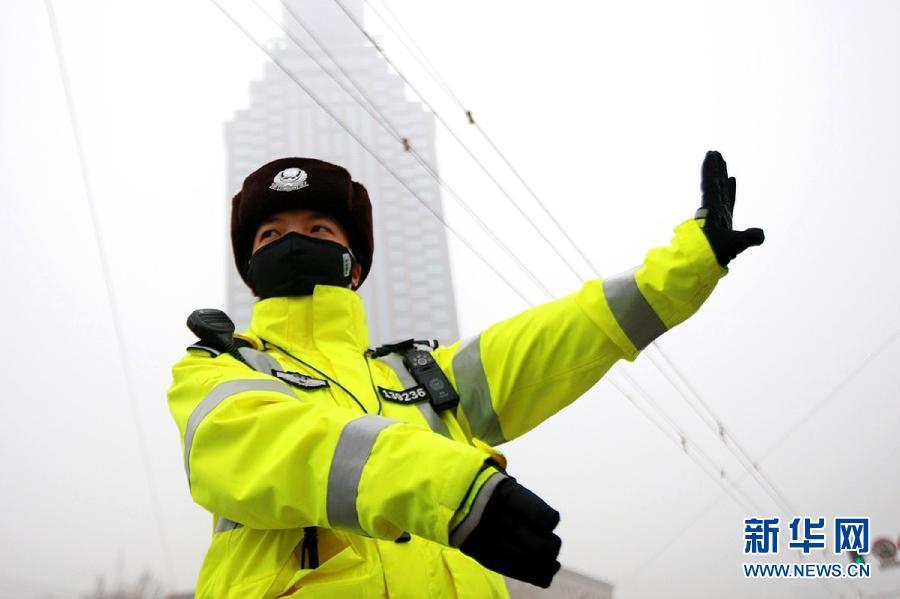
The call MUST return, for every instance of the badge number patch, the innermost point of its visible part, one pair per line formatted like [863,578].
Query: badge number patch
[411,395]
[299,380]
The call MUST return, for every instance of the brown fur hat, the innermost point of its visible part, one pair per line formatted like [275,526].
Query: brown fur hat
[289,183]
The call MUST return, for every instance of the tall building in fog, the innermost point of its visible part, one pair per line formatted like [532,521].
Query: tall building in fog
[408,292]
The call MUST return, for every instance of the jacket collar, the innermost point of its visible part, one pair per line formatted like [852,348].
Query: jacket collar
[331,319]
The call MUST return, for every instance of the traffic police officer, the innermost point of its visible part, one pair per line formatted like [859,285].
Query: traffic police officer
[334,470]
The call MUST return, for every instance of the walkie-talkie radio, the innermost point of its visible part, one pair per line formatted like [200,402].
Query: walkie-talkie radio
[215,329]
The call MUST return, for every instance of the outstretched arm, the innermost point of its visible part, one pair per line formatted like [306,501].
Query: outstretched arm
[519,372]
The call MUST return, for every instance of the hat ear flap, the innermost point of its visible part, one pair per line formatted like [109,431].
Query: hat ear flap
[239,243]
[361,225]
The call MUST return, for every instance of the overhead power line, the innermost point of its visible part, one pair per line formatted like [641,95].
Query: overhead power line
[121,350]
[421,58]
[470,119]
[751,466]
[371,106]
[455,136]
[367,104]
[331,113]
[738,450]
[792,430]
[727,438]
[714,473]
[709,468]
[712,421]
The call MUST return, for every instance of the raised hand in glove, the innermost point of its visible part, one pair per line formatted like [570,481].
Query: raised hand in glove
[509,530]
[718,208]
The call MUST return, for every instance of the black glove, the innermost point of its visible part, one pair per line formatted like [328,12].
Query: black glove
[718,207]
[514,535]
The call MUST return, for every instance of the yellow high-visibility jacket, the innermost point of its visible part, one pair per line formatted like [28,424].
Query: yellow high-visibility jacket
[268,457]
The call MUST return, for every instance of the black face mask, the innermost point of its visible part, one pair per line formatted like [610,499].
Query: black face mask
[296,263]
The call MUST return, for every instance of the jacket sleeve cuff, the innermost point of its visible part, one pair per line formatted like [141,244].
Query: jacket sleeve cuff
[469,514]
[676,280]
[414,481]
[635,307]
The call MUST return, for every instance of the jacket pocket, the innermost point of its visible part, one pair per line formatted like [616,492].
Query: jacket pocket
[258,562]
[471,579]
[344,571]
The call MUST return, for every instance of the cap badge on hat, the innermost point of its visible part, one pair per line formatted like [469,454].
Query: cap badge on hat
[289,179]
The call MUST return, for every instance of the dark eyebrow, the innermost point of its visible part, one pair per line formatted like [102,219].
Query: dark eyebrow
[322,216]
[270,220]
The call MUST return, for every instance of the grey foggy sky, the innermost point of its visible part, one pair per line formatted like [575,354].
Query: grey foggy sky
[607,109]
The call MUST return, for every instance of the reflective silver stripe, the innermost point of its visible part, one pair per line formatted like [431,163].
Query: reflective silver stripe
[219,393]
[260,361]
[465,528]
[353,448]
[632,312]
[433,419]
[474,393]
[224,525]
[395,361]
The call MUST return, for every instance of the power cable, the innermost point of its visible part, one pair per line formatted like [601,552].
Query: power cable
[371,108]
[832,394]
[110,295]
[422,59]
[379,117]
[682,442]
[737,450]
[715,425]
[719,429]
[352,96]
[436,76]
[746,462]
[750,465]
[743,457]
[666,545]
[715,472]
[454,135]
[791,431]
[366,147]
[729,440]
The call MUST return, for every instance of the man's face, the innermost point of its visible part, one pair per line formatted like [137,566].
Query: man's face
[306,222]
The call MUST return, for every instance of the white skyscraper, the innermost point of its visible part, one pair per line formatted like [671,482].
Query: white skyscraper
[408,292]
